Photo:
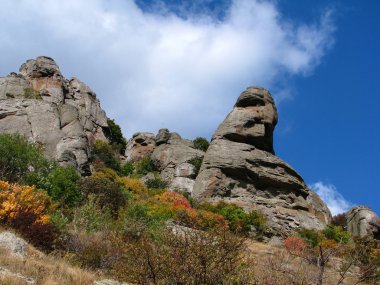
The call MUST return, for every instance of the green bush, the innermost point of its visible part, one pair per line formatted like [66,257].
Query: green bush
[127,169]
[312,237]
[117,136]
[201,144]
[20,160]
[197,163]
[336,233]
[145,165]
[156,183]
[62,184]
[109,194]
[238,220]
[103,153]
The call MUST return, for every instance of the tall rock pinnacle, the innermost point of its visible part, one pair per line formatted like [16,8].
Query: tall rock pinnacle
[240,167]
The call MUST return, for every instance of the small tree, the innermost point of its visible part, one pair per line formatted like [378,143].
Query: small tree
[201,144]
[117,138]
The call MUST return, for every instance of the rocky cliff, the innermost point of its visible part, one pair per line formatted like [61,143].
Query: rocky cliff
[240,167]
[61,115]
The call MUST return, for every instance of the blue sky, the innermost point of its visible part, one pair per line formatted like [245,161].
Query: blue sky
[182,64]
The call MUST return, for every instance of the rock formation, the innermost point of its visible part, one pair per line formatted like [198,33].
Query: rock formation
[362,221]
[240,167]
[62,115]
[172,157]
[140,145]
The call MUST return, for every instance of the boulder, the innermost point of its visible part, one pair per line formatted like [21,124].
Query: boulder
[362,222]
[62,115]
[240,167]
[172,156]
[15,245]
[140,145]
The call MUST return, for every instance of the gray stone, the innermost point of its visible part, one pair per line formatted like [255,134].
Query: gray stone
[15,245]
[140,145]
[162,137]
[240,167]
[65,119]
[362,222]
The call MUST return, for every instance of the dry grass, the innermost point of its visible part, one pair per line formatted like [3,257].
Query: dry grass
[46,270]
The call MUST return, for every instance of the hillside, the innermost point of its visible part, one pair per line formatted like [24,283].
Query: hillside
[158,208]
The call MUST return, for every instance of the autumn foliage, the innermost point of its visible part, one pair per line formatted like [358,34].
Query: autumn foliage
[27,209]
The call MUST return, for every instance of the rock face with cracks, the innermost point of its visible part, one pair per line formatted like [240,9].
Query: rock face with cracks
[240,167]
[62,115]
[362,222]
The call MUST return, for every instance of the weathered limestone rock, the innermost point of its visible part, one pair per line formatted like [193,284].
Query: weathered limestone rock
[240,167]
[62,115]
[362,221]
[172,156]
[140,145]
[15,245]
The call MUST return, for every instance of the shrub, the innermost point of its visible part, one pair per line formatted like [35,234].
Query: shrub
[239,221]
[117,138]
[188,257]
[156,183]
[127,169]
[20,159]
[197,163]
[62,184]
[340,220]
[336,233]
[174,199]
[29,93]
[201,144]
[91,217]
[312,237]
[96,250]
[145,165]
[295,245]
[109,194]
[27,210]
[133,185]
[103,153]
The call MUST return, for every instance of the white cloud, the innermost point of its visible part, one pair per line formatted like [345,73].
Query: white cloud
[160,70]
[330,195]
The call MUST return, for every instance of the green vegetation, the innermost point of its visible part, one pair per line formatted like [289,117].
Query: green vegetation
[201,144]
[145,165]
[197,163]
[20,160]
[103,155]
[127,169]
[156,183]
[117,138]
[29,93]
[239,221]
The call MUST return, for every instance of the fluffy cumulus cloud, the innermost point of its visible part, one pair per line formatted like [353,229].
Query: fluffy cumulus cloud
[155,68]
[334,200]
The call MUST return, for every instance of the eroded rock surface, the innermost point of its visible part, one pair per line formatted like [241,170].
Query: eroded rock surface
[172,157]
[362,222]
[62,115]
[240,167]
[140,145]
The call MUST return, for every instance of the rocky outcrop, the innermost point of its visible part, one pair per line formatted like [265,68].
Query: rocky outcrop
[61,115]
[172,156]
[140,145]
[16,246]
[240,167]
[362,222]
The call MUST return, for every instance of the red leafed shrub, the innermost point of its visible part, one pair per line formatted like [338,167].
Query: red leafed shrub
[175,199]
[295,245]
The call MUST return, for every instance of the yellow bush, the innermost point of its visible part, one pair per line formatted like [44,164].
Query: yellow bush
[133,185]
[27,209]
[16,200]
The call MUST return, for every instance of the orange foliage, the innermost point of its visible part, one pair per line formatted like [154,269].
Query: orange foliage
[295,245]
[174,199]
[26,209]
